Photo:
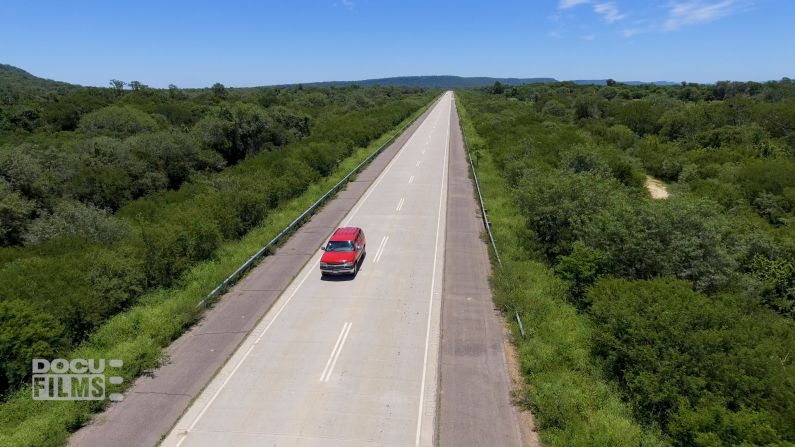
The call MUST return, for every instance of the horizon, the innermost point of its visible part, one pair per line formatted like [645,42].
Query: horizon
[194,45]
[496,78]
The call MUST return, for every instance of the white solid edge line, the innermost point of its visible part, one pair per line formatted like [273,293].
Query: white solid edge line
[309,272]
[333,351]
[339,351]
[245,356]
[433,283]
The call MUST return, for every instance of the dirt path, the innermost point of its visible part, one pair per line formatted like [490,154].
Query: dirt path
[656,187]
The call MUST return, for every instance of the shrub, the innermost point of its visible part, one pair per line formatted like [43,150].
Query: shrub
[117,121]
[554,108]
[556,204]
[711,371]
[236,130]
[74,218]
[679,237]
[25,333]
[15,214]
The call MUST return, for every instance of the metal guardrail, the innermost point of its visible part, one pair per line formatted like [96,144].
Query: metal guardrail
[483,210]
[484,214]
[262,252]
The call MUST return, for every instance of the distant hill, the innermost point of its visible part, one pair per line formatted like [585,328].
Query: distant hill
[604,82]
[453,82]
[16,83]
[432,82]
[19,83]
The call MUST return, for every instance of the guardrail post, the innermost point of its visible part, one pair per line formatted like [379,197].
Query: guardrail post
[519,320]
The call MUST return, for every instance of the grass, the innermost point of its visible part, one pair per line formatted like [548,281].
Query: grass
[138,336]
[573,404]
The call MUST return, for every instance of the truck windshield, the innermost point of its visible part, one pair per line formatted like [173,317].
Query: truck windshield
[339,246]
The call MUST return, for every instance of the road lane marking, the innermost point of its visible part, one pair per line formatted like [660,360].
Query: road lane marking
[332,358]
[381,248]
[433,284]
[344,334]
[411,179]
[400,204]
[383,174]
[418,163]
[245,356]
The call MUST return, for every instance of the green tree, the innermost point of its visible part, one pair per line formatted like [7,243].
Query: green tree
[74,218]
[554,108]
[117,121]
[174,92]
[25,333]
[176,155]
[23,172]
[680,237]
[136,86]
[558,204]
[219,91]
[236,130]
[15,215]
[118,86]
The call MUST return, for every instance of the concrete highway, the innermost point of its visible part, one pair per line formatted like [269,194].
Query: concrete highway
[348,361]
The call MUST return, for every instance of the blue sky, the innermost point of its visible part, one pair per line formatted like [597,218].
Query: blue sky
[248,43]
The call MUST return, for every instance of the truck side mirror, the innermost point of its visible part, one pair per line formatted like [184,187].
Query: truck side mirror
[323,247]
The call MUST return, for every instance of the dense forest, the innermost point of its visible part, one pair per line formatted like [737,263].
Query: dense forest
[107,194]
[652,322]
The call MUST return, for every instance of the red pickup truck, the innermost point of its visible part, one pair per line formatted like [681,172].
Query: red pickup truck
[343,252]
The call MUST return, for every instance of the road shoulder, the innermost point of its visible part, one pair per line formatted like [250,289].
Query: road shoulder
[475,388]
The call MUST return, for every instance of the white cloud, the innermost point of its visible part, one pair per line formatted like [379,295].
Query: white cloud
[676,14]
[348,4]
[639,27]
[609,12]
[696,12]
[589,37]
[566,4]
[629,32]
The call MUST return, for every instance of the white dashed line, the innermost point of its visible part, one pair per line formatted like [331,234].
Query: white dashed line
[335,353]
[400,204]
[380,250]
